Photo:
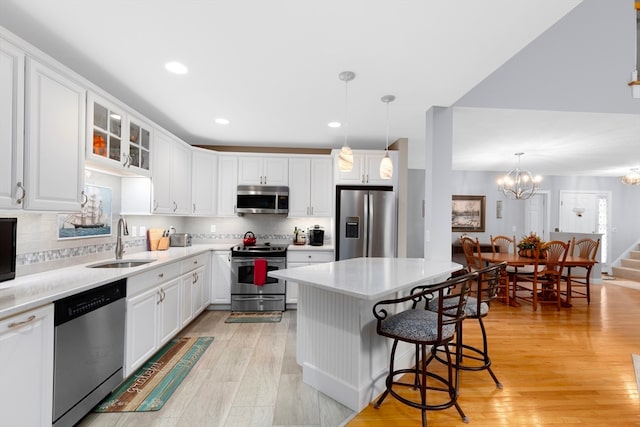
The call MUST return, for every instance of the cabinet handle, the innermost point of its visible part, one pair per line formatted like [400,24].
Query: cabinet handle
[195,278]
[311,210]
[19,200]
[175,206]
[85,199]
[195,262]
[194,208]
[155,205]
[367,181]
[161,275]
[159,297]
[24,322]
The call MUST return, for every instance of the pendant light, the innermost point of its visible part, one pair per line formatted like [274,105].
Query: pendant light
[519,184]
[345,158]
[386,165]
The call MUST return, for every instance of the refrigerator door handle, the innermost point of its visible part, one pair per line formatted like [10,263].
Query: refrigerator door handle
[365,226]
[370,222]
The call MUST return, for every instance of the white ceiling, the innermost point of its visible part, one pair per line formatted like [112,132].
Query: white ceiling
[271,68]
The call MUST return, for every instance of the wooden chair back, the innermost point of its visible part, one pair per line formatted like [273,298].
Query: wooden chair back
[553,255]
[506,244]
[585,248]
[471,250]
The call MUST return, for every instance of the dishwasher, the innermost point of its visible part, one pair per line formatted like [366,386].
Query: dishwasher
[88,350]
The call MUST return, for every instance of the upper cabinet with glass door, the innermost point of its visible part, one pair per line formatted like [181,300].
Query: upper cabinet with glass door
[116,141]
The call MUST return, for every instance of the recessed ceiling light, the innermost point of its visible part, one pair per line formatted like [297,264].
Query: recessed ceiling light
[176,68]
[222,121]
[334,124]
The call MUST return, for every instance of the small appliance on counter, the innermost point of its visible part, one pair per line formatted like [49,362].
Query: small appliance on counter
[299,237]
[180,239]
[315,236]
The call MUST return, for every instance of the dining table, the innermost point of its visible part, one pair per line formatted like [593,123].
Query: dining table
[515,260]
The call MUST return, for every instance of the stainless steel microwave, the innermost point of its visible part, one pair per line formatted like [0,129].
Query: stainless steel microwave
[262,199]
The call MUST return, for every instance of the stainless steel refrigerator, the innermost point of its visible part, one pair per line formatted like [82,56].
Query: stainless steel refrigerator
[366,223]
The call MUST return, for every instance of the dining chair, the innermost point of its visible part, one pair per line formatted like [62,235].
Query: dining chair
[425,328]
[471,250]
[584,248]
[543,285]
[505,244]
[484,290]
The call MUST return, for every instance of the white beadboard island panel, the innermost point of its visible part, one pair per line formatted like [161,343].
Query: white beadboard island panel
[337,346]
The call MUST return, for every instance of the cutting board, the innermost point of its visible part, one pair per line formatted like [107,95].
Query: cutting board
[155,241]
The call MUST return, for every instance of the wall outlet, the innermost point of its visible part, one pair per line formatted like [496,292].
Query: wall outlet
[213,228]
[133,232]
[143,230]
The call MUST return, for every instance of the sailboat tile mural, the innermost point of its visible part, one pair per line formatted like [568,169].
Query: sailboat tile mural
[93,220]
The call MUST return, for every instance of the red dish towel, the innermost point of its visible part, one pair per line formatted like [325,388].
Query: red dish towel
[259,271]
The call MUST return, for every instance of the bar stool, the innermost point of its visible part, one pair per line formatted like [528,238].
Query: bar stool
[425,328]
[481,295]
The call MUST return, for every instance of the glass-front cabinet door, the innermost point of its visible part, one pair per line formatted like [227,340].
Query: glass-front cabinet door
[116,140]
[139,144]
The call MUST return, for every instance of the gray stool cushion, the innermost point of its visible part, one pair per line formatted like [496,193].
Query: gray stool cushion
[415,325]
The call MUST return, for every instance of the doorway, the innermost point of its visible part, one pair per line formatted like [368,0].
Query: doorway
[537,214]
[587,212]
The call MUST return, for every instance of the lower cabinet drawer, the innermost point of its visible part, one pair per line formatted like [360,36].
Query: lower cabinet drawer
[149,279]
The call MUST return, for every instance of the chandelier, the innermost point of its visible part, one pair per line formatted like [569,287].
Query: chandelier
[632,177]
[519,184]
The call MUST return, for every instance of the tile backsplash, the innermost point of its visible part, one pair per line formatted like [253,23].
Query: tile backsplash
[40,249]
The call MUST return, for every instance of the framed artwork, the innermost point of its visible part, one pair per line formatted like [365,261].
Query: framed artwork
[93,220]
[468,213]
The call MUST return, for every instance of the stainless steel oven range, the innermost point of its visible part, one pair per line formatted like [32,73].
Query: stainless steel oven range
[251,289]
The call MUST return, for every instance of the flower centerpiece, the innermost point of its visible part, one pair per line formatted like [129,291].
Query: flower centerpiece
[527,245]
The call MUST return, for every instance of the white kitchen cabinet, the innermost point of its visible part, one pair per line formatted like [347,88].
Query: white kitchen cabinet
[153,313]
[26,368]
[54,140]
[117,141]
[204,182]
[300,258]
[168,323]
[11,125]
[227,184]
[171,176]
[263,170]
[366,169]
[310,188]
[221,278]
[195,277]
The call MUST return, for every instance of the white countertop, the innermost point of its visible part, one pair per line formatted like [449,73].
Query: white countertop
[33,290]
[368,278]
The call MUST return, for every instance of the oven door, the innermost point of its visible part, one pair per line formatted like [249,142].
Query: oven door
[242,277]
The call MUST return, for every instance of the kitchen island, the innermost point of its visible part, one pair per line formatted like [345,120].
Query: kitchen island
[337,346]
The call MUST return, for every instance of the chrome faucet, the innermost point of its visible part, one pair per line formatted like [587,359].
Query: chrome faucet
[122,230]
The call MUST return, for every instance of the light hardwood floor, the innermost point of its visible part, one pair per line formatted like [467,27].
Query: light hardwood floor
[567,367]
[558,368]
[248,377]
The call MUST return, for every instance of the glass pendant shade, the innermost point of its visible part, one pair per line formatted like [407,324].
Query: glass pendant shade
[386,165]
[519,184]
[632,177]
[345,158]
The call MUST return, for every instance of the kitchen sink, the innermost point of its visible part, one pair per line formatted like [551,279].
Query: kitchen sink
[121,263]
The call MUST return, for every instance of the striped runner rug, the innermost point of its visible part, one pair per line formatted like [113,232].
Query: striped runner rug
[149,388]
